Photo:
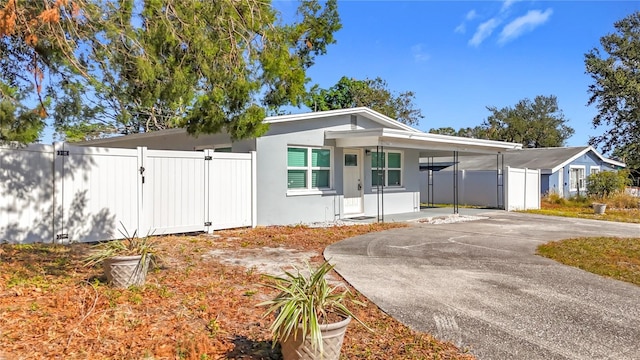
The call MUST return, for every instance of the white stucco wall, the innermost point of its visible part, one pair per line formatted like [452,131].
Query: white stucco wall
[278,206]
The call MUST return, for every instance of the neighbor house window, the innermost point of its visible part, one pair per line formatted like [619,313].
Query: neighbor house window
[386,168]
[594,169]
[576,177]
[308,168]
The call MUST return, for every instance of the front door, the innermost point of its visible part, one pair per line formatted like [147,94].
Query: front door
[352,181]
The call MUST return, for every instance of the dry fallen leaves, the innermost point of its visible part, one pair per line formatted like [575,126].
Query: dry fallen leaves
[193,307]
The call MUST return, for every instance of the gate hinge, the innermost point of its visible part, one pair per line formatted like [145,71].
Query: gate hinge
[208,157]
[62,236]
[207,223]
[63,152]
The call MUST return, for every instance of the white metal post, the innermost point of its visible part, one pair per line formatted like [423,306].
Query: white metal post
[59,225]
[505,188]
[254,189]
[208,168]
[142,213]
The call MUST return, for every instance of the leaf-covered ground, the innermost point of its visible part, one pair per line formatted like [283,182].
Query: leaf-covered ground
[192,307]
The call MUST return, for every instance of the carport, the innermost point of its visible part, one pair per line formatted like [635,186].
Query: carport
[430,146]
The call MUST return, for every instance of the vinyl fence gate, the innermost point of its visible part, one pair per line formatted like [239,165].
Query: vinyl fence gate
[62,193]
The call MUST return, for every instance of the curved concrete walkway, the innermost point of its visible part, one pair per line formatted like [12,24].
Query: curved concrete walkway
[480,285]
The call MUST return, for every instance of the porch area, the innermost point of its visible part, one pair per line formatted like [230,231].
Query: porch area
[423,214]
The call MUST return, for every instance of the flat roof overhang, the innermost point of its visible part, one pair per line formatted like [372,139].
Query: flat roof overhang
[428,144]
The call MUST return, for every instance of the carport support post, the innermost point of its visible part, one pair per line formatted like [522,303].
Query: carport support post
[430,176]
[455,182]
[500,180]
[380,183]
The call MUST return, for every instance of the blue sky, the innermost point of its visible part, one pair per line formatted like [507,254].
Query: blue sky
[461,56]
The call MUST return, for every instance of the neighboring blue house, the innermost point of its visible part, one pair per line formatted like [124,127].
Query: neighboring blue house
[563,170]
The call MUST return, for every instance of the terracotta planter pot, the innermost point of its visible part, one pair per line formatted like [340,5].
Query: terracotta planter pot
[332,338]
[124,271]
[599,208]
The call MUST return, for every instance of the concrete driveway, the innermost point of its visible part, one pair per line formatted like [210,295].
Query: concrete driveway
[480,285]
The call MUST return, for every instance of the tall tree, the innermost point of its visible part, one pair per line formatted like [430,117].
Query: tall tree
[134,66]
[477,132]
[372,93]
[537,123]
[615,70]
[444,131]
[33,45]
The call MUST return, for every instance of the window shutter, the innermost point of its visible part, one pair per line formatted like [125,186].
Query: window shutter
[377,160]
[297,179]
[320,158]
[393,177]
[395,160]
[377,177]
[296,157]
[320,179]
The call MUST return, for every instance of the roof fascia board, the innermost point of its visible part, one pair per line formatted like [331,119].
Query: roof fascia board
[390,137]
[453,139]
[586,150]
[364,111]
[147,135]
[342,134]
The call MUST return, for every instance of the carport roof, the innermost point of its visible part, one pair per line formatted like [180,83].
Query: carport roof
[548,160]
[429,144]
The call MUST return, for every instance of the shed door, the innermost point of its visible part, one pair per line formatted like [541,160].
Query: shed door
[352,185]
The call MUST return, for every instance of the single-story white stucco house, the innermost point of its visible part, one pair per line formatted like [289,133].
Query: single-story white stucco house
[329,165]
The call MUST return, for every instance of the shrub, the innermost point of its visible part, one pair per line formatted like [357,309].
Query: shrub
[604,183]
[553,197]
[623,200]
[579,200]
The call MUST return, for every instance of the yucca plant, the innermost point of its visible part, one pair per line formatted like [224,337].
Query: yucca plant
[304,303]
[129,246]
[126,261]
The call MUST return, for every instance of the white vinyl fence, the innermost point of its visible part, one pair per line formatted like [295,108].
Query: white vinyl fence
[62,193]
[485,188]
[522,189]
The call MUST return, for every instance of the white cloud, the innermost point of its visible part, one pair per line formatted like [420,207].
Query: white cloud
[462,28]
[419,53]
[483,31]
[524,24]
[472,14]
[507,4]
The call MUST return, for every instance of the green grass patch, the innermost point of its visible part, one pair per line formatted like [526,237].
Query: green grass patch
[617,258]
